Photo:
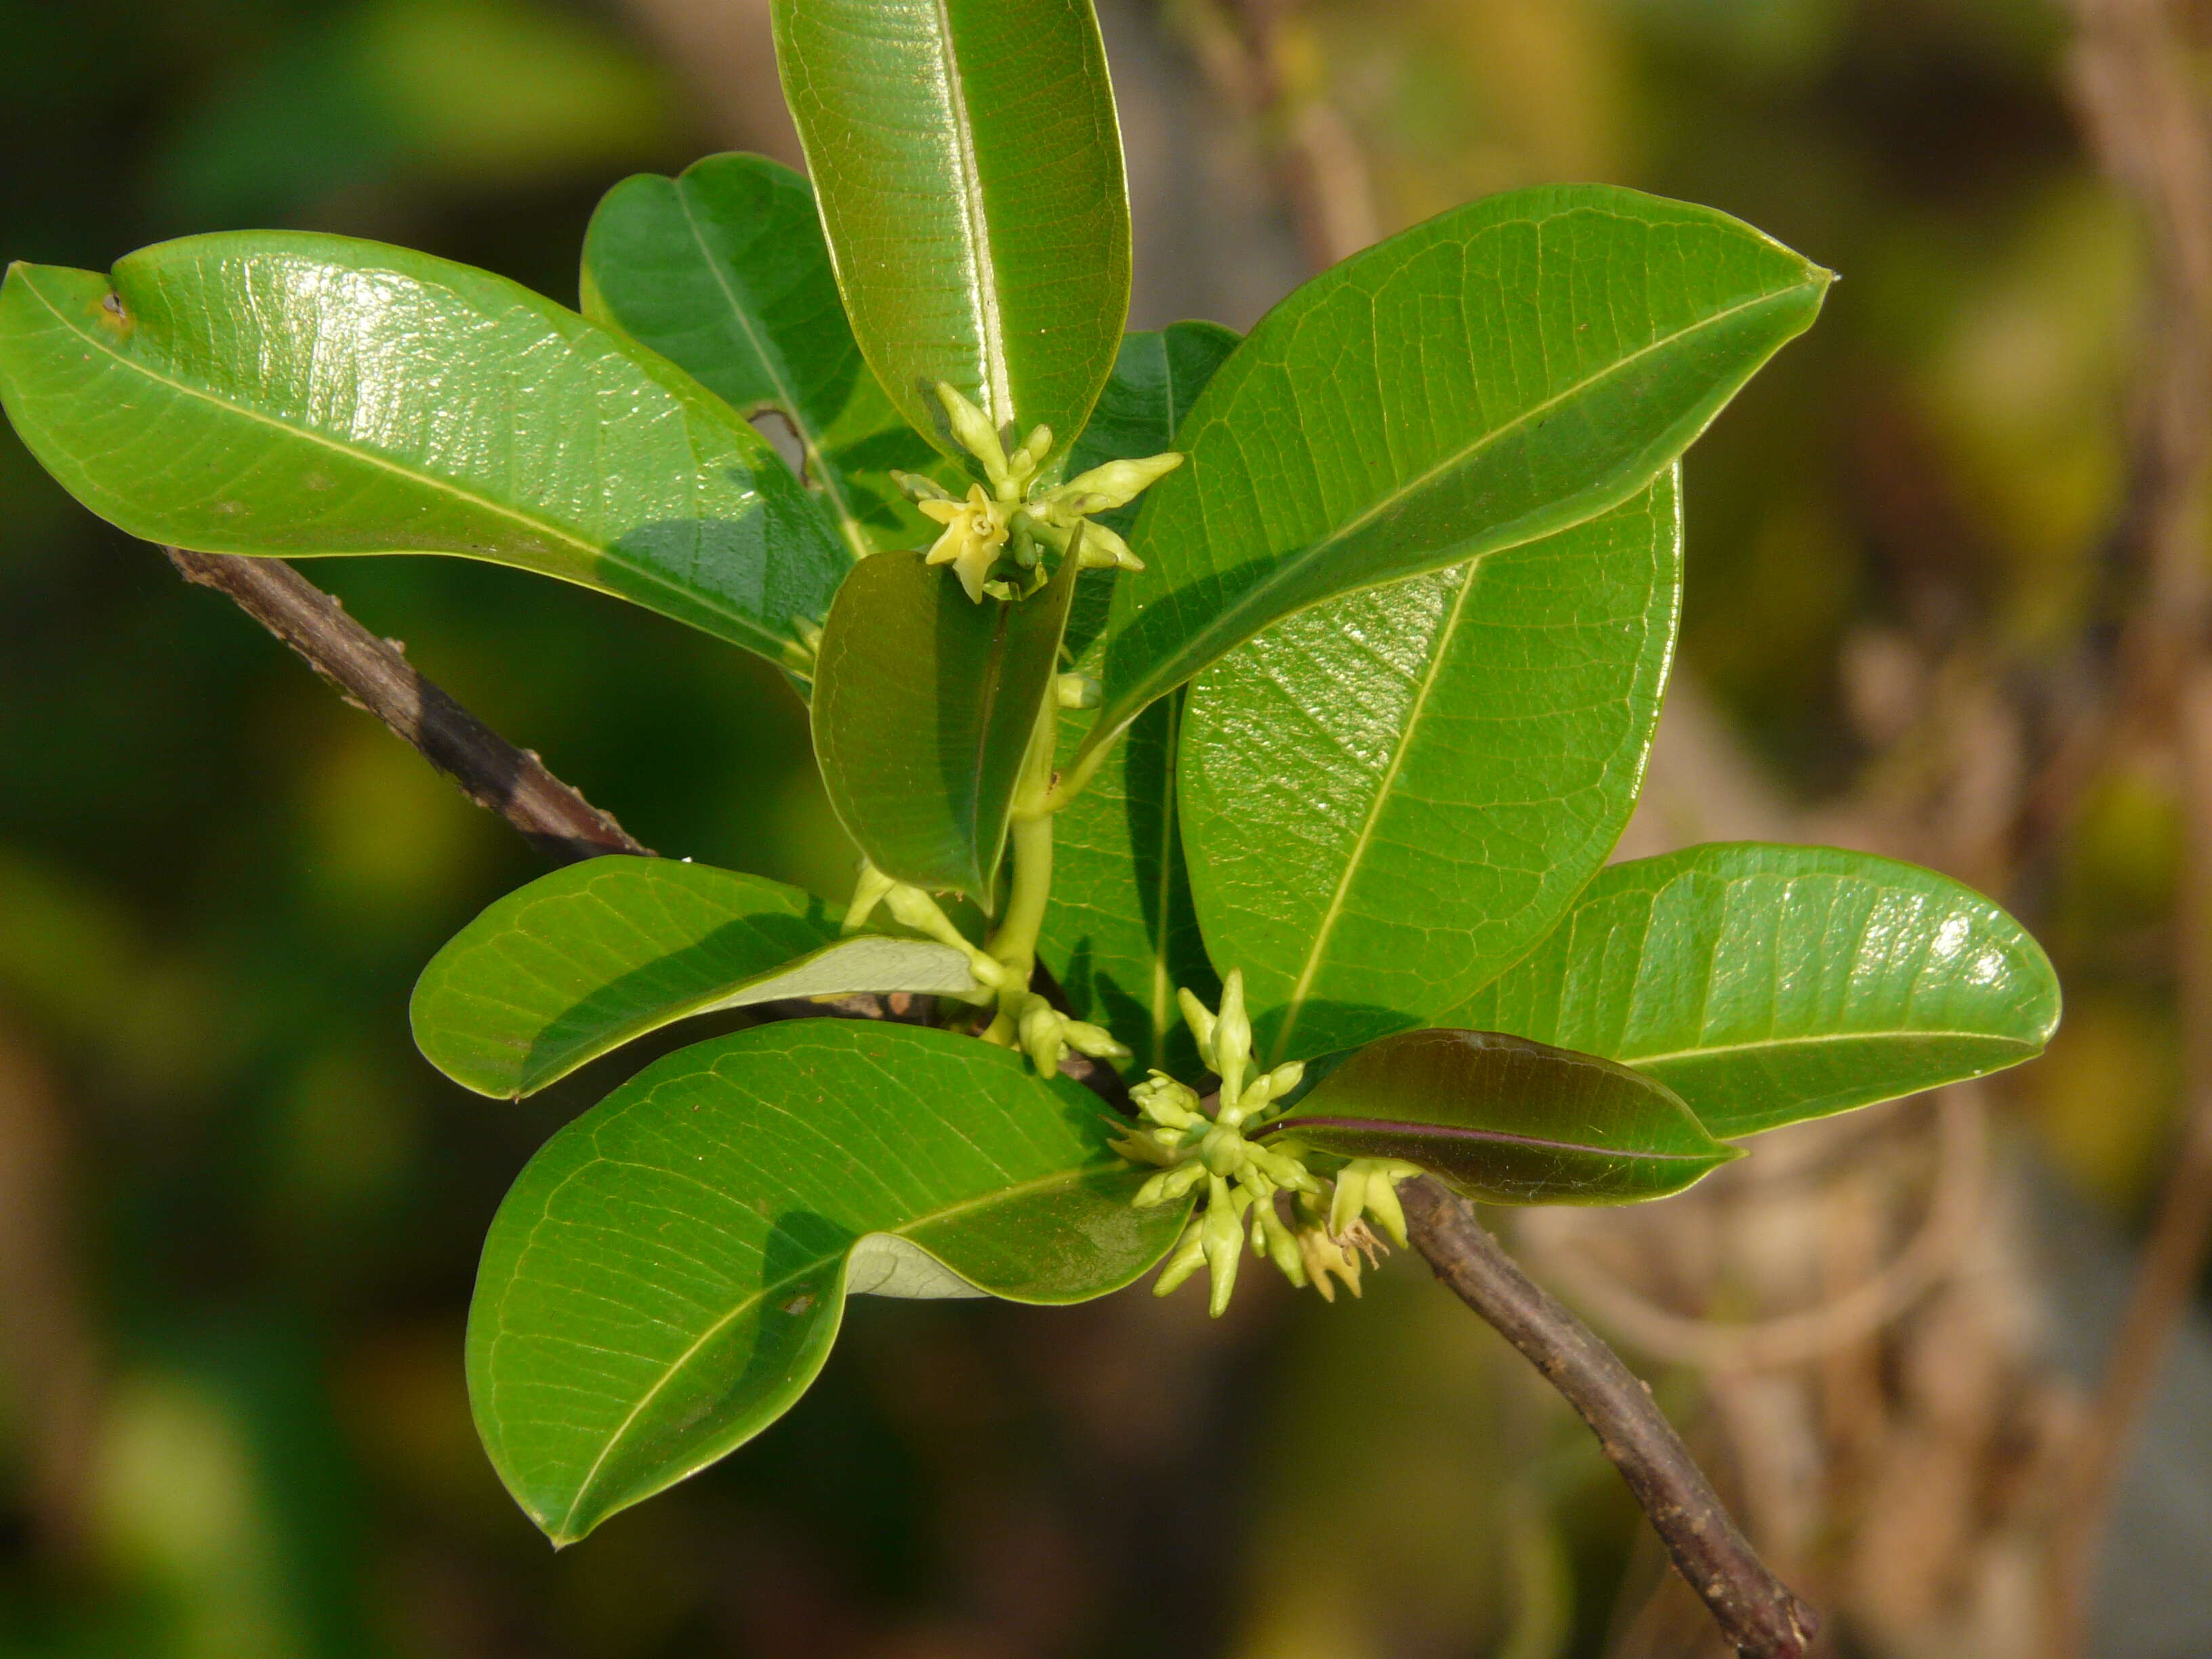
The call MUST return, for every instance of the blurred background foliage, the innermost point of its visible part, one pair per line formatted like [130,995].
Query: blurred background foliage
[238,1216]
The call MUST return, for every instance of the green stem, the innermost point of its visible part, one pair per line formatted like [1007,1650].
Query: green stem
[1015,942]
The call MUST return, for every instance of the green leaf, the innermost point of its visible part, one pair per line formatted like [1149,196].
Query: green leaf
[923,704]
[723,271]
[1503,372]
[667,1276]
[587,958]
[1766,984]
[1119,929]
[968,163]
[1390,796]
[1508,1120]
[290,393]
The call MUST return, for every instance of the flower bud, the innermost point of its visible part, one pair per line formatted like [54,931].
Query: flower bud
[1168,1185]
[1201,1022]
[1104,550]
[1078,691]
[1094,1041]
[1118,483]
[915,488]
[1031,456]
[1041,1035]
[1232,1037]
[1187,1256]
[871,889]
[974,431]
[1224,1233]
[1164,1101]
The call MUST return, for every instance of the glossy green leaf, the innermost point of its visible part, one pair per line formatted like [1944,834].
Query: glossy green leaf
[1120,931]
[667,1276]
[1509,1120]
[1765,985]
[1389,797]
[289,393]
[587,958]
[1507,370]
[968,164]
[924,704]
[723,271]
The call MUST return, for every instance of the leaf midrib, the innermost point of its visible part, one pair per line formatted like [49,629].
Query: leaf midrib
[983,289]
[1501,1137]
[1230,616]
[1440,650]
[373,457]
[997,1194]
[1759,1043]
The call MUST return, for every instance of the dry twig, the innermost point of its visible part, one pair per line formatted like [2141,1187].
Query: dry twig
[375,674]
[1758,1613]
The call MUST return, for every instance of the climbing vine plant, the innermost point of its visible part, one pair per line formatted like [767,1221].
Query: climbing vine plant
[1276,703]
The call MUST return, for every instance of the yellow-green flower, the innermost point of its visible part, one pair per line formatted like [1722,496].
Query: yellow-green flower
[974,535]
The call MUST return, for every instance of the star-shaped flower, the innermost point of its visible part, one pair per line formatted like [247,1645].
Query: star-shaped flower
[975,534]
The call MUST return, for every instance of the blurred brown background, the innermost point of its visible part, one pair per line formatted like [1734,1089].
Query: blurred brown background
[1946,601]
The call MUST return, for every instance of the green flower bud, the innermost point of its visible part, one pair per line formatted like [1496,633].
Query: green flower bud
[1225,1150]
[1169,1185]
[1187,1256]
[1031,456]
[1278,1242]
[974,431]
[1117,482]
[1165,1100]
[1041,1035]
[1094,1041]
[1201,1023]
[915,488]
[911,908]
[871,889]
[1232,1037]
[1158,1147]
[1224,1235]
[1104,550]
[1078,691]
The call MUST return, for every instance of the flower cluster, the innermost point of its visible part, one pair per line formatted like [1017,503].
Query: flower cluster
[1022,509]
[1245,1182]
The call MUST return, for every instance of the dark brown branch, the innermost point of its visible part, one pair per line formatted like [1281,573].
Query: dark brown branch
[375,674]
[1755,1610]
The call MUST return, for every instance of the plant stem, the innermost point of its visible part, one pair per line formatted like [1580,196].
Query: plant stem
[375,674]
[1756,1612]
[1016,940]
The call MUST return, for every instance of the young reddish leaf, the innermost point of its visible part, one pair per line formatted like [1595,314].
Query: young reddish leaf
[1509,1120]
